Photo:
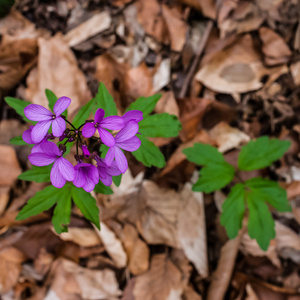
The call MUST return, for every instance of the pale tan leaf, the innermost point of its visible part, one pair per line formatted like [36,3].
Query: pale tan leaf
[295,71]
[167,104]
[250,293]
[162,76]
[190,294]
[96,24]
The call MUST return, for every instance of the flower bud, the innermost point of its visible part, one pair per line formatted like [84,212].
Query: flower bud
[85,151]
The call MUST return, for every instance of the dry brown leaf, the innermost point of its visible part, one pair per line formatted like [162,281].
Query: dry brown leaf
[4,198]
[228,137]
[137,250]
[112,245]
[167,104]
[70,281]
[162,75]
[190,294]
[162,282]
[57,70]
[295,71]
[10,168]
[207,7]
[94,25]
[275,49]
[222,275]
[84,237]
[177,28]
[250,293]
[236,69]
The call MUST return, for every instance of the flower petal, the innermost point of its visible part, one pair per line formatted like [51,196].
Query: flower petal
[66,169]
[88,130]
[113,170]
[110,155]
[89,185]
[106,137]
[41,159]
[112,123]
[61,105]
[99,115]
[93,173]
[50,149]
[40,130]
[35,112]
[56,177]
[80,178]
[135,115]
[58,126]
[26,136]
[131,145]
[129,130]
[121,160]
[107,180]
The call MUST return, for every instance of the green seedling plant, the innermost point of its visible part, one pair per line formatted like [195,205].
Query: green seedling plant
[100,159]
[251,197]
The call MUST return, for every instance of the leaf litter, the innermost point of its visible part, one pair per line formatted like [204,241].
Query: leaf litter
[228,81]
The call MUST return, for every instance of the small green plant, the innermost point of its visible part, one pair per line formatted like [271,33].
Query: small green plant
[255,193]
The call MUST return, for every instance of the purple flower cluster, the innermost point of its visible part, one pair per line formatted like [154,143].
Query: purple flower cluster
[84,174]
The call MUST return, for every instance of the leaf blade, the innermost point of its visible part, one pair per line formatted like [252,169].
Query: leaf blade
[146,105]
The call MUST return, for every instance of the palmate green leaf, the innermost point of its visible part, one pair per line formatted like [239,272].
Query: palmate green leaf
[146,105]
[18,105]
[261,225]
[87,205]
[17,140]
[103,189]
[149,154]
[62,212]
[117,179]
[51,97]
[41,201]
[105,100]
[269,191]
[160,125]
[261,153]
[214,177]
[233,210]
[84,113]
[37,174]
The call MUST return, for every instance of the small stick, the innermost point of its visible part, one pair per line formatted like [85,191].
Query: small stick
[195,63]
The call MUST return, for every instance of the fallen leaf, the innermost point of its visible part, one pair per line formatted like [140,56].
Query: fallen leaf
[167,104]
[208,8]
[57,70]
[94,25]
[162,75]
[295,71]
[228,137]
[190,294]
[250,293]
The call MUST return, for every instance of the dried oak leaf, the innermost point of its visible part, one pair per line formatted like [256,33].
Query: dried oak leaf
[207,7]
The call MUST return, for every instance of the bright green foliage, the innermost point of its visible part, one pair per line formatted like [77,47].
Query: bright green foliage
[160,125]
[87,205]
[103,189]
[149,154]
[117,179]
[37,174]
[146,105]
[233,210]
[18,105]
[84,113]
[17,140]
[255,192]
[261,153]
[51,97]
[106,101]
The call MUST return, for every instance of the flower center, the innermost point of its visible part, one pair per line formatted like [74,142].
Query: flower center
[53,117]
[96,125]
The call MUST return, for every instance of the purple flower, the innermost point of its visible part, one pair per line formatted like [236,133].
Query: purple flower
[46,118]
[135,115]
[62,169]
[106,172]
[85,151]
[112,123]
[27,138]
[87,176]
[124,139]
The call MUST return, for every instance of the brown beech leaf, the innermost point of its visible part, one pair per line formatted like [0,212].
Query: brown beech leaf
[235,69]
[295,71]
[167,104]
[275,49]
[10,168]
[57,70]
[207,7]
[163,281]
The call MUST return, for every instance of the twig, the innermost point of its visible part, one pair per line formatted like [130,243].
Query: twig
[195,63]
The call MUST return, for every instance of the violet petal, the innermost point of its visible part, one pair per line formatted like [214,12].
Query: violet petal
[56,177]
[106,137]
[50,148]
[80,178]
[99,115]
[131,145]
[129,130]
[61,105]
[89,185]
[121,160]
[110,155]
[41,159]
[113,170]
[40,130]
[88,130]
[93,173]
[135,115]
[66,169]
[106,181]
[35,112]
[113,123]
[58,126]
[26,136]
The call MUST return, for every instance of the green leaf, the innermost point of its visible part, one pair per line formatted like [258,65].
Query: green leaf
[37,174]
[117,179]
[87,205]
[270,191]
[17,140]
[103,189]
[203,154]
[51,98]
[261,225]
[160,125]
[62,212]
[105,100]
[261,153]
[233,210]
[84,113]
[214,177]
[149,154]
[41,201]
[146,105]
[18,105]
[103,150]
